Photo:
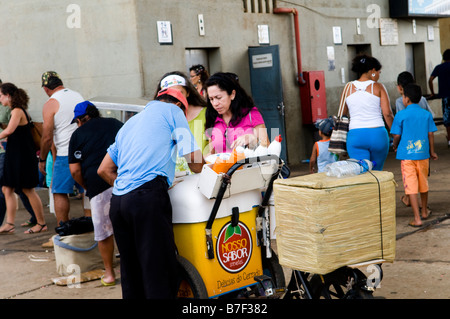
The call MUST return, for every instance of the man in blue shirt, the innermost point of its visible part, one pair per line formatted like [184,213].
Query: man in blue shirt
[414,143]
[442,72]
[141,166]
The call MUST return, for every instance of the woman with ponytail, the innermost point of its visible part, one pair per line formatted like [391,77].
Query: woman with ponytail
[370,113]
[20,167]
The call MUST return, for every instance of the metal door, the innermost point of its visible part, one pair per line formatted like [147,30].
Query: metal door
[267,90]
[196,56]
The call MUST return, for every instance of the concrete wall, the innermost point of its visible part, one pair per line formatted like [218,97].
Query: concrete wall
[111,47]
[231,31]
[93,47]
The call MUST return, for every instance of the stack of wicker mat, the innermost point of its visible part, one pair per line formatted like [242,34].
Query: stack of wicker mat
[324,223]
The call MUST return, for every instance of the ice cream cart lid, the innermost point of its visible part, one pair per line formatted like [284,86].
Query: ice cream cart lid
[120,103]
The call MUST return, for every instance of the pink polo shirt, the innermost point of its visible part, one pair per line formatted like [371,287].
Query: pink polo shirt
[222,136]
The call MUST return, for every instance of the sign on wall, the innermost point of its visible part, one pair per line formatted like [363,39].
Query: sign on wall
[262,61]
[388,32]
[263,34]
[164,32]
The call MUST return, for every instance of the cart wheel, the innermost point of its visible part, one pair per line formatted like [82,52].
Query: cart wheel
[191,284]
[273,269]
[338,285]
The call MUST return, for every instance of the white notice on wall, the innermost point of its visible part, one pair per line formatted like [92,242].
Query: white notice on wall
[262,61]
[430,33]
[388,32]
[337,35]
[263,34]
[331,59]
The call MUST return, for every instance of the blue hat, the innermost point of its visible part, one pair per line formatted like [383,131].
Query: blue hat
[80,109]
[326,126]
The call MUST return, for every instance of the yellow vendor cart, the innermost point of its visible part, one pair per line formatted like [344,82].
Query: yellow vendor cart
[222,233]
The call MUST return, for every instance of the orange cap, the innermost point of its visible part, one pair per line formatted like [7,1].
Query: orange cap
[176,94]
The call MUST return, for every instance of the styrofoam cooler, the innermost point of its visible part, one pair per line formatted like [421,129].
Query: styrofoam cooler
[250,177]
[191,210]
[237,257]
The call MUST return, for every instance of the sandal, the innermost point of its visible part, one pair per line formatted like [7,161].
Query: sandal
[405,200]
[41,230]
[8,231]
[28,224]
[412,224]
[107,284]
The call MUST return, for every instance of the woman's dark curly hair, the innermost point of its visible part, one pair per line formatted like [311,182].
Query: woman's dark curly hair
[364,63]
[200,70]
[19,98]
[240,106]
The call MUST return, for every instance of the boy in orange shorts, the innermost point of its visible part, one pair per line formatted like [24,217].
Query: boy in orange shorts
[413,131]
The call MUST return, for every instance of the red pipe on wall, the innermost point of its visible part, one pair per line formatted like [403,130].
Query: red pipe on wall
[300,80]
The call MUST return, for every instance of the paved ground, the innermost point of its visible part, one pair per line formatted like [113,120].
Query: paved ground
[421,269]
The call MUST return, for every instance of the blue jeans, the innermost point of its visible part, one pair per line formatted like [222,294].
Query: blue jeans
[446,111]
[369,143]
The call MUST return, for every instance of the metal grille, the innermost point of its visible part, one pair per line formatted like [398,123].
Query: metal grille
[259,6]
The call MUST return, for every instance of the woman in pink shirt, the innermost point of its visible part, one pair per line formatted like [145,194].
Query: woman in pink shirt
[232,118]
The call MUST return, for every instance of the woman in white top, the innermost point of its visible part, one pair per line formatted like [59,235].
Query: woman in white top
[369,110]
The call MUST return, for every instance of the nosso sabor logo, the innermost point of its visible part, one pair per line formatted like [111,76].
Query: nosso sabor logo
[234,247]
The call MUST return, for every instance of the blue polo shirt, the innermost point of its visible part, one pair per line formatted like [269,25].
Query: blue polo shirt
[147,145]
[413,124]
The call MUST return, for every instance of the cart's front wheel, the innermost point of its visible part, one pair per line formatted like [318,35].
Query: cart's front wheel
[343,283]
[273,269]
[191,284]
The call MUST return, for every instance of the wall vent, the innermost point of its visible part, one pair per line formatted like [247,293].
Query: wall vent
[259,6]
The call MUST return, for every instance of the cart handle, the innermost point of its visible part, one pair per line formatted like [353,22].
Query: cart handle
[223,186]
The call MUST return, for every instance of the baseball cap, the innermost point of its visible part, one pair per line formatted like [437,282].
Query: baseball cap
[80,109]
[176,94]
[326,126]
[48,76]
[172,80]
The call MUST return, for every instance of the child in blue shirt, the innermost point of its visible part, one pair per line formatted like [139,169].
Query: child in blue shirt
[403,79]
[320,154]
[412,130]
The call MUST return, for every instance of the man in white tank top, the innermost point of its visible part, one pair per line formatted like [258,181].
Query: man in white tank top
[58,113]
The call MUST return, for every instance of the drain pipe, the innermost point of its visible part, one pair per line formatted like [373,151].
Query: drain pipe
[300,79]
